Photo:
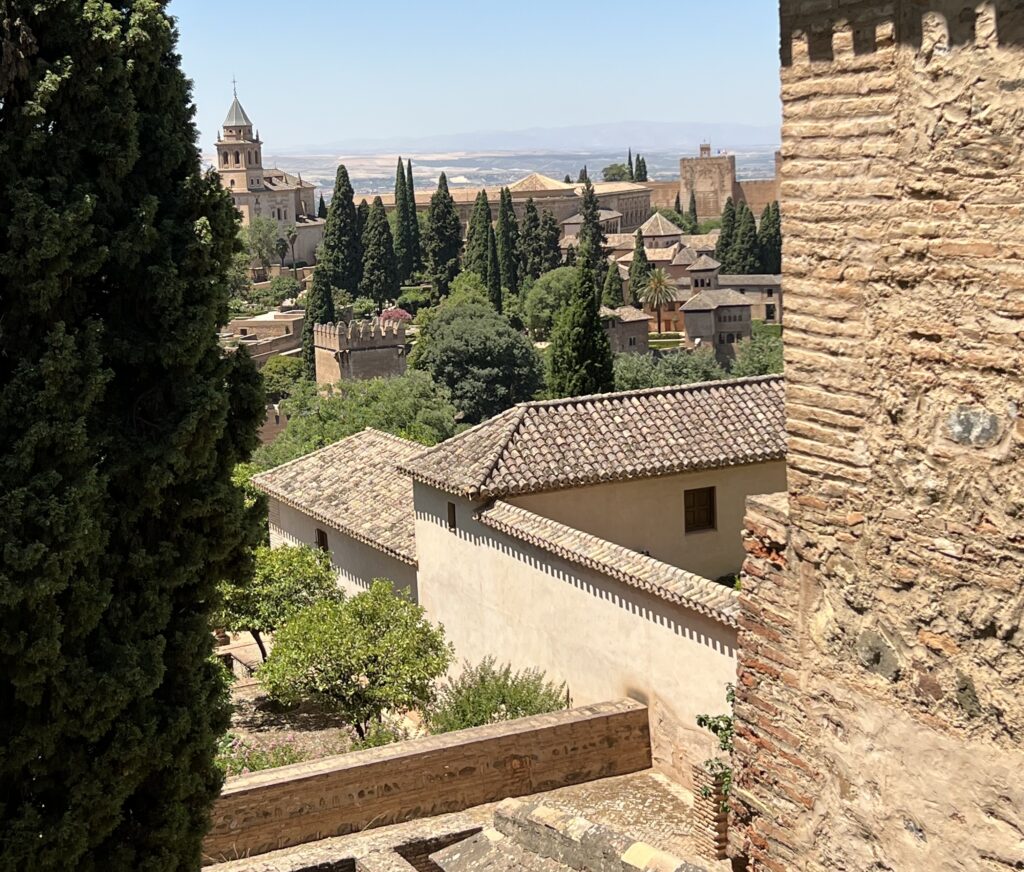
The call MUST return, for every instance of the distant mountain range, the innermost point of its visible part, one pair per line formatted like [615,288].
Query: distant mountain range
[643,135]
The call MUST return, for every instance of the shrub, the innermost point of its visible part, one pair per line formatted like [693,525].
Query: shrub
[381,733]
[485,693]
[414,299]
[281,376]
[238,756]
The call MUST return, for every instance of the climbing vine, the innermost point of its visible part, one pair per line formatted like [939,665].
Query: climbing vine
[721,727]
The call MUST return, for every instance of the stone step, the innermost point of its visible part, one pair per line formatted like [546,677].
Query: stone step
[491,851]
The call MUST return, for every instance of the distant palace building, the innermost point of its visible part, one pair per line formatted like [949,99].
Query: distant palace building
[712,180]
[273,194]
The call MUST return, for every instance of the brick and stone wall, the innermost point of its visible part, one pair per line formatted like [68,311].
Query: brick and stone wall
[296,804]
[887,733]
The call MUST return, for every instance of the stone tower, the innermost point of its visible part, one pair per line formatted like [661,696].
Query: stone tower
[879,710]
[239,151]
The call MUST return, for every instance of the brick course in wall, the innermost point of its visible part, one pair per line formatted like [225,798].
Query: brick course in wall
[879,715]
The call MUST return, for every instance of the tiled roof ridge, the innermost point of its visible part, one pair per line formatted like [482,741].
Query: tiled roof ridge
[303,458]
[649,392]
[701,594]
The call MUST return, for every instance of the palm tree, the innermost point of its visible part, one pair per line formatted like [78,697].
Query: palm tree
[291,234]
[657,292]
[281,247]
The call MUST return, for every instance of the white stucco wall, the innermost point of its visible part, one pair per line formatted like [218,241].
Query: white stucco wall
[496,595]
[647,514]
[357,564]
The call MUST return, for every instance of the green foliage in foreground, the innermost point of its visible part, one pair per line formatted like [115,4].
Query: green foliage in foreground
[239,756]
[371,653]
[761,354]
[282,376]
[286,581]
[641,371]
[486,693]
[722,727]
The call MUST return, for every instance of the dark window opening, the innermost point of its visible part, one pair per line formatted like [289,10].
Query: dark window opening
[451,517]
[699,509]
[321,539]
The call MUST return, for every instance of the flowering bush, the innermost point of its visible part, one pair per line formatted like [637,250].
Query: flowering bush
[238,756]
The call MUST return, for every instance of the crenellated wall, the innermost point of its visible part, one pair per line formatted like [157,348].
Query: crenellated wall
[896,613]
[359,350]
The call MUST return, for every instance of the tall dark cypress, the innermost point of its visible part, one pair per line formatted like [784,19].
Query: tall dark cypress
[583,175]
[530,242]
[508,242]
[727,233]
[493,277]
[362,216]
[321,210]
[629,165]
[639,268]
[380,270]
[640,173]
[769,240]
[611,294]
[581,356]
[590,253]
[122,420]
[339,258]
[693,209]
[677,206]
[744,256]
[550,236]
[443,239]
[474,256]
[402,242]
[319,309]
[415,245]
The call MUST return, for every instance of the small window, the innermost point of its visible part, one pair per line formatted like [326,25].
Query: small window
[769,312]
[699,509]
[721,339]
[632,340]
[771,293]
[224,158]
[451,517]
[238,158]
[321,539]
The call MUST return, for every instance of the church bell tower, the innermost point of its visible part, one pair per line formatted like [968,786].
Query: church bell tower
[239,152]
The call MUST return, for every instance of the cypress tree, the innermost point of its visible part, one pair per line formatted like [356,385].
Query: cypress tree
[474,257]
[508,243]
[321,210]
[611,295]
[693,211]
[380,270]
[639,268]
[629,166]
[677,206]
[530,243]
[550,236]
[319,309]
[570,256]
[727,233]
[493,277]
[640,173]
[744,256]
[415,246]
[362,216]
[444,239]
[567,179]
[123,421]
[339,262]
[581,357]
[583,175]
[591,238]
[769,240]
[402,242]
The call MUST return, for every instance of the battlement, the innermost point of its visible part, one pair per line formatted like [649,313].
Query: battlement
[813,34]
[359,335]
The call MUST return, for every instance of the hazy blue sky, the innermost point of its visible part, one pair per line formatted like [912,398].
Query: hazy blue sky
[317,71]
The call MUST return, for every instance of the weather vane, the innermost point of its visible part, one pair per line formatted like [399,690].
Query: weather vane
[234,85]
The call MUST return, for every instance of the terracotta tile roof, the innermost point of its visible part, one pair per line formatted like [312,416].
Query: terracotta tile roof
[540,182]
[602,215]
[704,263]
[623,564]
[610,437]
[654,255]
[749,281]
[685,257]
[702,241]
[354,486]
[625,313]
[711,298]
[659,225]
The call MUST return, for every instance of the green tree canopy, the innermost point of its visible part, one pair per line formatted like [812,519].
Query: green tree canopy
[405,219]
[371,653]
[474,256]
[728,233]
[362,217]
[380,273]
[759,355]
[635,372]
[658,291]
[551,235]
[339,261]
[590,253]
[415,246]
[581,357]
[443,240]
[692,211]
[630,169]
[282,376]
[689,367]
[639,269]
[123,420]
[611,294]
[549,295]
[486,364]
[487,693]
[616,172]
[640,169]
[507,238]
[412,406]
[531,242]
[493,270]
[744,257]
[281,249]
[769,240]
[321,209]
[286,580]
[319,309]
[260,238]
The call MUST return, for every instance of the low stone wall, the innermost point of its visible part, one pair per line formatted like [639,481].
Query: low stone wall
[296,804]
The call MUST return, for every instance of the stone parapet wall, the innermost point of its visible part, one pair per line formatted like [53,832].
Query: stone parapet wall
[358,335]
[710,815]
[296,804]
[359,350]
